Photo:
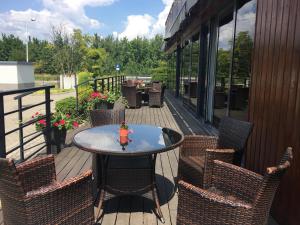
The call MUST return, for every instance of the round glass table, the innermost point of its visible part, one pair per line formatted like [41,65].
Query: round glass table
[125,165]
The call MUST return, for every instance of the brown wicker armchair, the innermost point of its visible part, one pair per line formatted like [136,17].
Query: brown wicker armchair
[197,152]
[30,194]
[133,97]
[101,117]
[235,196]
[156,95]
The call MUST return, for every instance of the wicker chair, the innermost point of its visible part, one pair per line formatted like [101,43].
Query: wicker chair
[99,118]
[30,194]
[235,196]
[133,97]
[156,95]
[197,152]
[107,116]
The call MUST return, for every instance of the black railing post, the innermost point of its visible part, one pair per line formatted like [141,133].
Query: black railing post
[2,129]
[48,119]
[77,95]
[112,84]
[95,85]
[20,117]
[107,83]
[102,85]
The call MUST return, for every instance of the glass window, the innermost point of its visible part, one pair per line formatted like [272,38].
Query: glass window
[193,83]
[185,72]
[222,77]
[245,25]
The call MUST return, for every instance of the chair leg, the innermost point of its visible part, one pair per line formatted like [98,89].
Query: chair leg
[158,209]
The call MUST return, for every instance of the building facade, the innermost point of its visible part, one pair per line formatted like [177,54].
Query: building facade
[241,58]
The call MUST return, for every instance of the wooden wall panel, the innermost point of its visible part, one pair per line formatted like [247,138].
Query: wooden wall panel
[274,106]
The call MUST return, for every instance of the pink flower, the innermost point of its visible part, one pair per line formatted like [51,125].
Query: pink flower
[55,124]
[68,116]
[130,131]
[43,122]
[75,124]
[37,113]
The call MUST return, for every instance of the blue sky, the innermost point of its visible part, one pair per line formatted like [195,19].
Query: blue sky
[123,18]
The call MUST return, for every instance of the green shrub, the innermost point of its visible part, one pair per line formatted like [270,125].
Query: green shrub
[84,76]
[67,106]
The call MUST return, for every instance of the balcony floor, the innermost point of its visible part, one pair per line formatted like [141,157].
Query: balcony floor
[134,210]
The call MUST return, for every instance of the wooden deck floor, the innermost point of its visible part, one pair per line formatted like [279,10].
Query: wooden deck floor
[134,210]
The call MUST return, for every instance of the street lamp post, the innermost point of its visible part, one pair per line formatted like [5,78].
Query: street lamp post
[27,37]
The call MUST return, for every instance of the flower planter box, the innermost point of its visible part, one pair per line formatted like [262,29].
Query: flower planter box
[57,139]
[104,105]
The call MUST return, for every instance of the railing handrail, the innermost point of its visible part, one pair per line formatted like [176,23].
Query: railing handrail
[24,92]
[21,90]
[23,95]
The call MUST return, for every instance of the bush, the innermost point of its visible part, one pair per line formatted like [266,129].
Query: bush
[67,106]
[84,76]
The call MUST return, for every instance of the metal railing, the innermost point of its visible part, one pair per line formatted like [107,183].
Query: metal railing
[110,83]
[4,152]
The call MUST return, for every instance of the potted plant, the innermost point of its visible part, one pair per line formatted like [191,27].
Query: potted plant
[60,123]
[98,100]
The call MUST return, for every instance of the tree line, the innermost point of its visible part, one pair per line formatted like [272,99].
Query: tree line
[66,53]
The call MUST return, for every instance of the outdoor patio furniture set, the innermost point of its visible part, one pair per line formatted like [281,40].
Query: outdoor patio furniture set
[212,191]
[137,93]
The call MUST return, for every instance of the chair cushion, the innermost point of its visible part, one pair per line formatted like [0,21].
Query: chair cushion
[191,169]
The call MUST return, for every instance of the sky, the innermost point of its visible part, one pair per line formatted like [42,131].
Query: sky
[121,18]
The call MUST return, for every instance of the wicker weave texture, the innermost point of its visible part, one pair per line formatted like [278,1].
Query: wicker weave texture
[227,147]
[236,196]
[132,96]
[30,194]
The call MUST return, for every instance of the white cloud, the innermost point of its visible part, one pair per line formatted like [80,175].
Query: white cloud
[68,13]
[145,25]
[137,25]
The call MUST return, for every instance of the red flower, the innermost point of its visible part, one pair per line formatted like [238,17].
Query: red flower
[62,122]
[75,124]
[43,122]
[56,124]
[37,113]
[95,95]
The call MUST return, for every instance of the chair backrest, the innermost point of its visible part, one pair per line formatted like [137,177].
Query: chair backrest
[266,193]
[234,134]
[130,83]
[156,86]
[108,116]
[129,92]
[11,192]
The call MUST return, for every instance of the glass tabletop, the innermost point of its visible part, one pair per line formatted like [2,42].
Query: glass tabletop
[141,140]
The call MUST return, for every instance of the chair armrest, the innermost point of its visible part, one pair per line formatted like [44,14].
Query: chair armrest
[194,145]
[57,203]
[37,172]
[236,180]
[225,155]
[198,206]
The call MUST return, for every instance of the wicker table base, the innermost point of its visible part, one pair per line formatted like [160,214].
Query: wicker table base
[117,176]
